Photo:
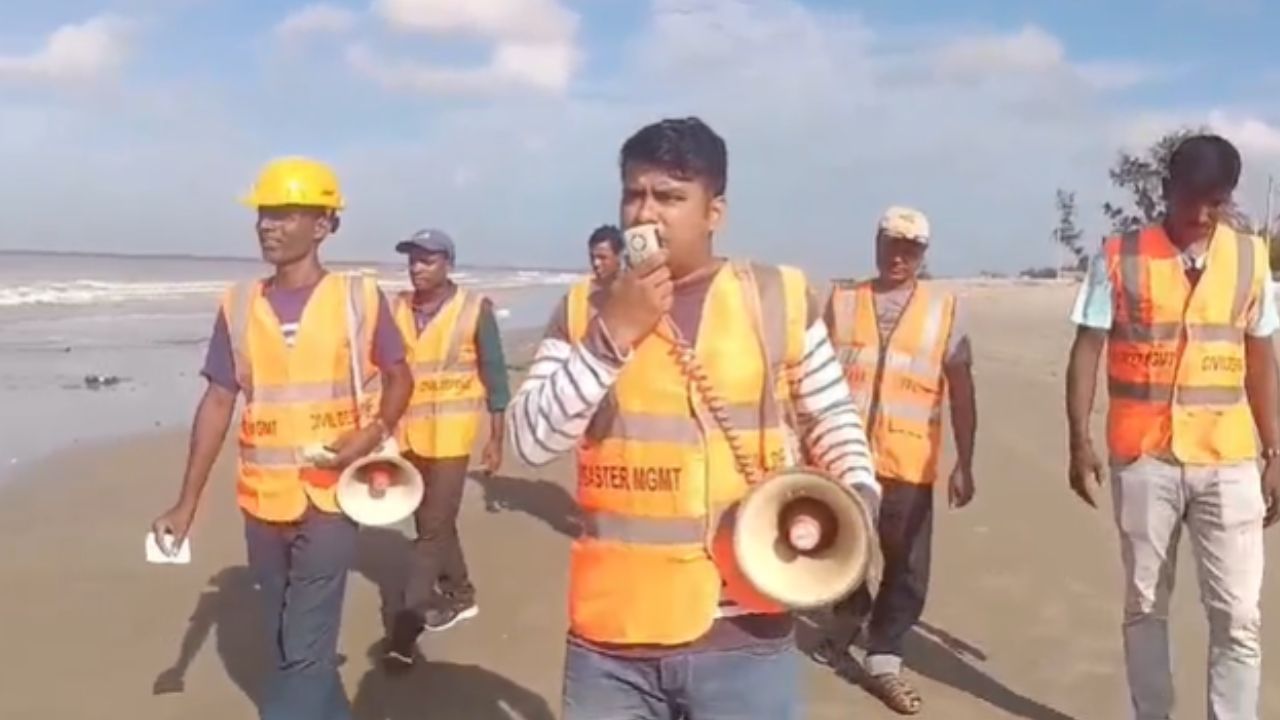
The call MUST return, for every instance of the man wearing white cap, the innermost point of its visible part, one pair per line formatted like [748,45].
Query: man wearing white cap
[901,345]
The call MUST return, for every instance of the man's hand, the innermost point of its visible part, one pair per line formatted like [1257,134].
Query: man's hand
[1085,473]
[636,301]
[176,522]
[353,445]
[491,457]
[1271,492]
[961,489]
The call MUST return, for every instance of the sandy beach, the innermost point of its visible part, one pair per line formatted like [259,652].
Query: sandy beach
[1022,621]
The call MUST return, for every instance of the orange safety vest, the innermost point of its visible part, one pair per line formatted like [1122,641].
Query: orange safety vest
[448,399]
[299,396]
[897,382]
[1176,355]
[654,563]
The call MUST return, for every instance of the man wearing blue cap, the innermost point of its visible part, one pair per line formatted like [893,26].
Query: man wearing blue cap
[455,352]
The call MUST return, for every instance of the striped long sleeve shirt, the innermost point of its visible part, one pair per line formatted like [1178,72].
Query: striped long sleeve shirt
[568,381]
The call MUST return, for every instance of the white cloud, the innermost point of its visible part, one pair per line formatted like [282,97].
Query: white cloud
[318,19]
[530,21]
[1031,53]
[81,52]
[1251,134]
[533,46]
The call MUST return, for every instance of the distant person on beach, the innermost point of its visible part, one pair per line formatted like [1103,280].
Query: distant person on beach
[605,250]
[460,381]
[1186,310]
[903,347]
[658,626]
[283,343]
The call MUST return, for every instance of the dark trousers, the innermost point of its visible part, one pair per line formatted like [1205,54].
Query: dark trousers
[301,570]
[437,553]
[906,537]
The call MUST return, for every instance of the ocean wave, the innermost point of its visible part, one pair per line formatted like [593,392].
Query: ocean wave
[93,292]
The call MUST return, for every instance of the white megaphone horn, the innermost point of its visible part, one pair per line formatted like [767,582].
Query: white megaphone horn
[360,492]
[804,539]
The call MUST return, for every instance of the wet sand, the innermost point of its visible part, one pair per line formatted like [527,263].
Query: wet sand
[1022,621]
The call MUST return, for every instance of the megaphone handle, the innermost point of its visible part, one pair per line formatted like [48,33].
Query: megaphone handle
[687,359]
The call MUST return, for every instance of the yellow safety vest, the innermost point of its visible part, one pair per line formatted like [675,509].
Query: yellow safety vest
[897,382]
[656,476]
[1176,355]
[448,401]
[577,306]
[299,396]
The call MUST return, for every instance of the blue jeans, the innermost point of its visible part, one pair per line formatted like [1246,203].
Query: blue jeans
[301,569]
[749,684]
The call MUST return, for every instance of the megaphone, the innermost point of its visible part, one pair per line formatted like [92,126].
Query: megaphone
[358,499]
[804,539]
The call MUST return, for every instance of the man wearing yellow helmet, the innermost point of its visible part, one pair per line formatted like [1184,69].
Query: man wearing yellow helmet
[283,343]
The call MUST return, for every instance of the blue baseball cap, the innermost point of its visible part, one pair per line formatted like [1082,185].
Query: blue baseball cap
[429,241]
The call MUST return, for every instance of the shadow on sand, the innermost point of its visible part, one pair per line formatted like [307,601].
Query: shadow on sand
[230,611]
[542,499]
[942,657]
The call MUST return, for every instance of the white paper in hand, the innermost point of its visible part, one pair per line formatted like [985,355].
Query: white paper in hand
[157,555]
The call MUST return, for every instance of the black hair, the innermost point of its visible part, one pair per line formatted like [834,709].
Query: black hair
[607,234]
[684,147]
[1205,164]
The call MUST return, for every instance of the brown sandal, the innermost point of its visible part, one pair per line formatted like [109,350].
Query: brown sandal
[893,691]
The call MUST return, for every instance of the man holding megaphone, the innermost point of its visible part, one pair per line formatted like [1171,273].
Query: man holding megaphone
[671,387]
[283,343]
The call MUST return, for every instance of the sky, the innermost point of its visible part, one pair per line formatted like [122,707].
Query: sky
[135,125]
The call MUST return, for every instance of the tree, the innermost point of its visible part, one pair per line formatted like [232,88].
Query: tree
[1068,234]
[1140,176]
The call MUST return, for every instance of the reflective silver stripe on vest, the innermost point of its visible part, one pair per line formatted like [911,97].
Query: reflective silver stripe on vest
[634,529]
[1131,275]
[911,413]
[1170,332]
[844,310]
[242,297]
[1206,396]
[272,457]
[429,367]
[302,392]
[654,428]
[468,316]
[431,409]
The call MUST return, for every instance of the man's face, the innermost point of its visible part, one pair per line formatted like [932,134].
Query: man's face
[428,270]
[1193,216]
[898,259]
[685,212]
[604,261]
[287,234]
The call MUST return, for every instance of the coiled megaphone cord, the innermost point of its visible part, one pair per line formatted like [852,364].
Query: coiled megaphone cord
[686,358]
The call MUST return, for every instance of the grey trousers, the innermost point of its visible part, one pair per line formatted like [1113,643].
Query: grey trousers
[1222,508]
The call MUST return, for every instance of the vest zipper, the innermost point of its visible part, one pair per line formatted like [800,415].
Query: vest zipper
[873,409]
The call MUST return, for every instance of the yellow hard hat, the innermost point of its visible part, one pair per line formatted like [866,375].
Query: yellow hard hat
[296,181]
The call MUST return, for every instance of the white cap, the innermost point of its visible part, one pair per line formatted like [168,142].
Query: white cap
[906,223]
